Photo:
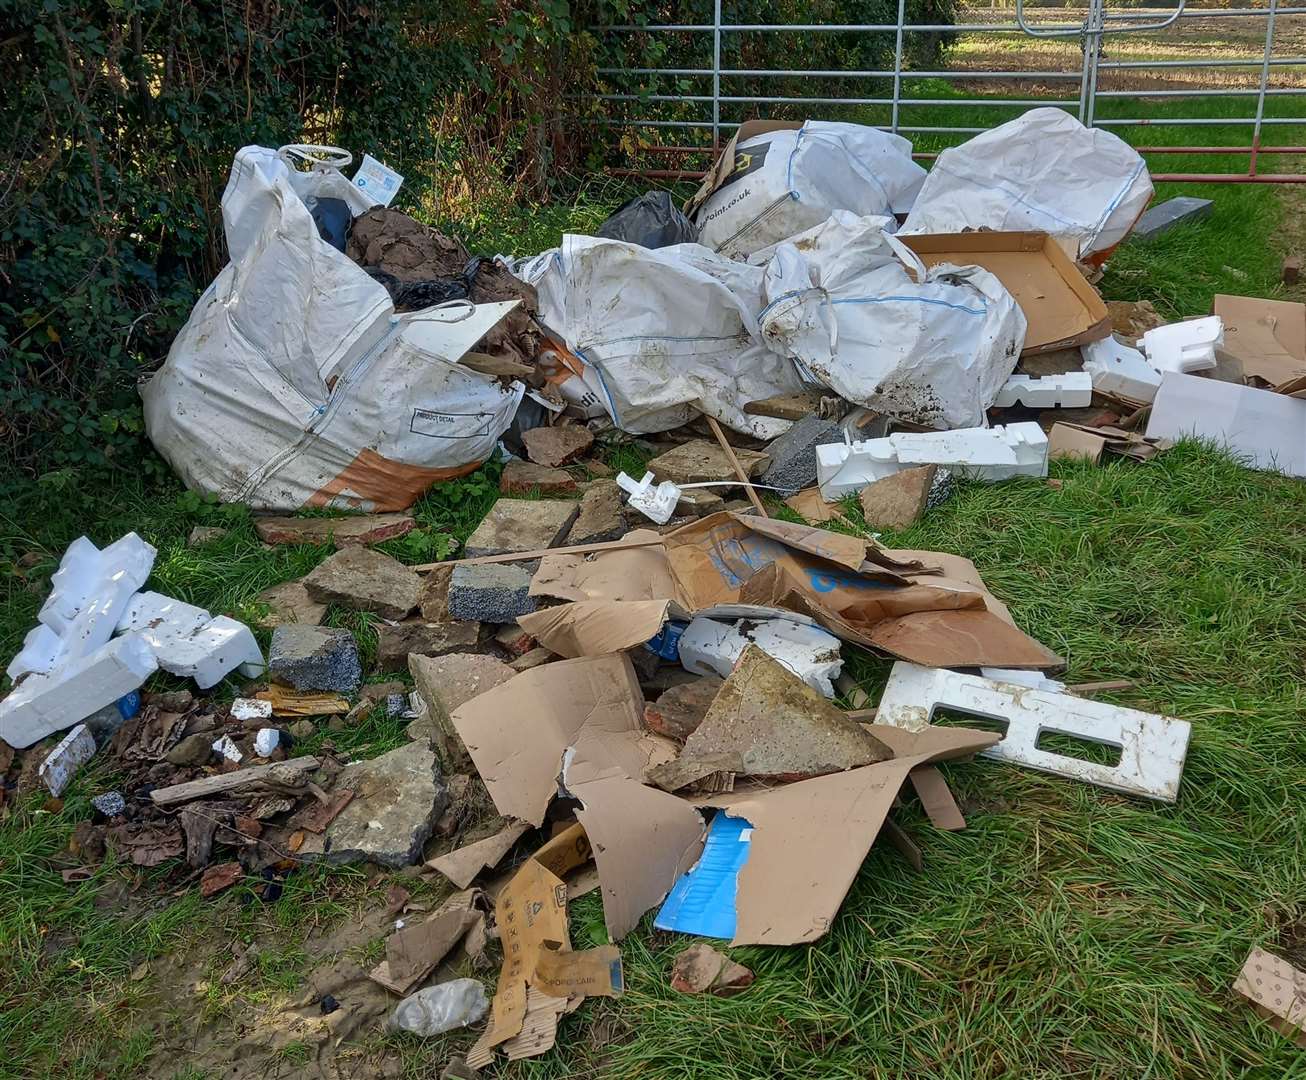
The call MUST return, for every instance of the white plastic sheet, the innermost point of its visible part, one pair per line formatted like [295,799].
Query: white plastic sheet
[789,180]
[665,332]
[863,316]
[1043,170]
[294,383]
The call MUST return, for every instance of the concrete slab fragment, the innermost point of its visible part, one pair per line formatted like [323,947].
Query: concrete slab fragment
[522,525]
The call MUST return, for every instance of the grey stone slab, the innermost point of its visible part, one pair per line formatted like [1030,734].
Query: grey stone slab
[496,593]
[314,658]
[522,525]
[1165,216]
[793,454]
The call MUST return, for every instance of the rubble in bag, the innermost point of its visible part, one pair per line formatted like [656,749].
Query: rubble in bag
[981,453]
[651,220]
[776,178]
[1043,170]
[929,346]
[420,267]
[272,398]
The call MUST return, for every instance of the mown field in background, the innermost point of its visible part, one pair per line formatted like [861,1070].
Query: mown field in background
[1066,933]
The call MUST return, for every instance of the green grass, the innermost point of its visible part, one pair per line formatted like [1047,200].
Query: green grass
[1066,932]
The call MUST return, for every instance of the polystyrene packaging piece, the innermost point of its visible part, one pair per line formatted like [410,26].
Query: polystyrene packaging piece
[45,703]
[1120,370]
[657,503]
[74,750]
[711,647]
[989,454]
[277,398]
[1152,748]
[785,181]
[190,642]
[1073,390]
[1042,171]
[440,1008]
[1184,346]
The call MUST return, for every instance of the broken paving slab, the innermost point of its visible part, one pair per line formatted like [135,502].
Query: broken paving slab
[398,797]
[779,726]
[599,518]
[445,683]
[289,602]
[522,525]
[315,658]
[203,535]
[554,447]
[897,501]
[433,603]
[680,709]
[700,461]
[494,593]
[396,640]
[793,454]
[365,580]
[525,478]
[341,531]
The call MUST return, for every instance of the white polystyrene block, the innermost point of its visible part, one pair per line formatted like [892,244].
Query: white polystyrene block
[655,503]
[159,618]
[710,647]
[1184,346]
[989,454]
[84,571]
[227,747]
[42,649]
[1117,369]
[44,703]
[1152,747]
[1071,390]
[267,740]
[61,764]
[211,652]
[244,708]
[1036,680]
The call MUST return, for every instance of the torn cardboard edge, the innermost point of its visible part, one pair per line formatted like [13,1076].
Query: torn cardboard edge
[1268,337]
[1276,989]
[1079,442]
[463,864]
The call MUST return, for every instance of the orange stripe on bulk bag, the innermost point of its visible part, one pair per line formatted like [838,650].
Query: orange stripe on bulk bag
[377,483]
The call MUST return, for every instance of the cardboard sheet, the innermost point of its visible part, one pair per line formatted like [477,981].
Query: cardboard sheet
[518,731]
[1267,336]
[1061,307]
[589,627]
[1075,444]
[1267,429]
[462,866]
[1277,990]
[640,573]
[810,838]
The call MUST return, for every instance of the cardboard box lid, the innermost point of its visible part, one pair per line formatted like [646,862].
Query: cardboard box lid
[1267,336]
[1060,306]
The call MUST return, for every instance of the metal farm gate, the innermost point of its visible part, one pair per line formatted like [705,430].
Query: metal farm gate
[709,104]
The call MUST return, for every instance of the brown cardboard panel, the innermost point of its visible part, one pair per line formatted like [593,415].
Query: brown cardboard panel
[1075,443]
[1060,306]
[590,627]
[1268,336]
[462,866]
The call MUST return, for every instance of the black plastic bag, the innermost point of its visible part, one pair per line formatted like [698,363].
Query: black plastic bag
[333,219]
[651,220]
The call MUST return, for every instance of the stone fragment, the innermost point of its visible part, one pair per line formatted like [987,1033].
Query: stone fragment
[786,406]
[1131,319]
[1291,269]
[554,447]
[1163,217]
[699,502]
[699,461]
[373,693]
[898,500]
[314,658]
[433,602]
[524,478]
[779,726]
[365,580]
[110,804]
[398,798]
[599,518]
[679,711]
[513,639]
[494,593]
[192,750]
[532,659]
[395,642]
[205,534]
[793,454]
[701,968]
[302,729]
[289,602]
[522,525]
[445,683]
[217,878]
[595,467]
[341,531]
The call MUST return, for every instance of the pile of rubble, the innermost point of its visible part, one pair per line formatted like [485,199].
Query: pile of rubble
[635,684]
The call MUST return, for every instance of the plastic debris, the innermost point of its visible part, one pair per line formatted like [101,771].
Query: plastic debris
[1184,346]
[267,740]
[434,1010]
[1073,390]
[655,503]
[1120,370]
[710,647]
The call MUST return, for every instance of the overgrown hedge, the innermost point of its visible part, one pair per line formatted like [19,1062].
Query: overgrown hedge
[123,116]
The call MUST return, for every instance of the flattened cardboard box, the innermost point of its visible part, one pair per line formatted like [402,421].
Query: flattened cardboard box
[1267,336]
[1060,306]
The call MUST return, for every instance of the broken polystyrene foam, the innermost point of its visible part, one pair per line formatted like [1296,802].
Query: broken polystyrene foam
[655,503]
[212,652]
[267,740]
[1036,680]
[1120,370]
[1152,747]
[1184,346]
[159,618]
[45,703]
[244,708]
[702,901]
[227,747]
[61,764]
[990,454]
[1072,390]
[711,647]
[85,571]
[42,649]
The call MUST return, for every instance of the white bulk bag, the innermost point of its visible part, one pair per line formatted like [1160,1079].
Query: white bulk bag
[776,182]
[666,331]
[863,316]
[294,383]
[1043,171]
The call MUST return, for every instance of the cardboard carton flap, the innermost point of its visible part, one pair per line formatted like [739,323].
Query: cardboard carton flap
[725,163]
[592,627]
